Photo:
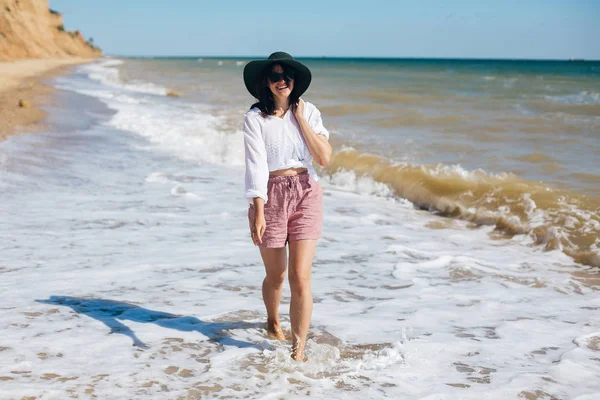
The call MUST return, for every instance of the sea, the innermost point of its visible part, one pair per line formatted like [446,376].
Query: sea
[460,256]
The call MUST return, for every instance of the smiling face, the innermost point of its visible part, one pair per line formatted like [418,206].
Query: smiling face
[283,87]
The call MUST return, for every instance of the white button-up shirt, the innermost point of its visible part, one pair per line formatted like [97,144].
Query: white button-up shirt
[274,143]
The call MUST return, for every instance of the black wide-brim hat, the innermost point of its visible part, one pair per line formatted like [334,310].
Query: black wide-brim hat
[254,70]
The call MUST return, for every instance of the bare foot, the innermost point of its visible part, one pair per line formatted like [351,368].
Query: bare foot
[298,352]
[298,356]
[274,331]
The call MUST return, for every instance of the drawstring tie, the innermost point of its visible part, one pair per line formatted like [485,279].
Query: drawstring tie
[293,179]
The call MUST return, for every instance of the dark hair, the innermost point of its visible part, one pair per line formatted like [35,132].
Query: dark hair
[265,104]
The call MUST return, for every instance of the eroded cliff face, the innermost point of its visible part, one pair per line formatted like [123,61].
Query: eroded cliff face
[29,29]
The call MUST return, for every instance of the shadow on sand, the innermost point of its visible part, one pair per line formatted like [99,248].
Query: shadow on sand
[111,313]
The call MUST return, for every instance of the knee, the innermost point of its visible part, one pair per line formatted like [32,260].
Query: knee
[275,280]
[299,284]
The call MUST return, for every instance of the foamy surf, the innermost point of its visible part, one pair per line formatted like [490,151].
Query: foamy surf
[186,130]
[400,311]
[105,73]
[555,219]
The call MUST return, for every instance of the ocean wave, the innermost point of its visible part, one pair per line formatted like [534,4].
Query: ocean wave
[582,98]
[193,136]
[189,131]
[106,73]
[555,219]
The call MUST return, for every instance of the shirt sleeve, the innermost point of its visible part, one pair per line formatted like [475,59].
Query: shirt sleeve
[257,169]
[316,123]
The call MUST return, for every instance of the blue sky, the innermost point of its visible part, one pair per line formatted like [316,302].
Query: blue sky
[427,28]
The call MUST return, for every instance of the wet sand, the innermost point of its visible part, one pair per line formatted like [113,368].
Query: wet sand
[21,81]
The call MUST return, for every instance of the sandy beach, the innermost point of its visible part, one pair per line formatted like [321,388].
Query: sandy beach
[21,80]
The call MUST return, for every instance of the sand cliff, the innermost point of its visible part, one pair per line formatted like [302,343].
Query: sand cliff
[29,29]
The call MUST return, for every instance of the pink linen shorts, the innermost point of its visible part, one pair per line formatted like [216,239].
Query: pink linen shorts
[294,210]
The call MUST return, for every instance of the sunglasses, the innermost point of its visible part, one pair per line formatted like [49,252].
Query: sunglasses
[288,75]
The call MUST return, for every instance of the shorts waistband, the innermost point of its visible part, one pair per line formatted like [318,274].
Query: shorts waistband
[303,176]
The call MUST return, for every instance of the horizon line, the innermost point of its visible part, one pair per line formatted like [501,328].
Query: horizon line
[570,59]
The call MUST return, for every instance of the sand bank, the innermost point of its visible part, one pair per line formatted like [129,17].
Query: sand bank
[21,82]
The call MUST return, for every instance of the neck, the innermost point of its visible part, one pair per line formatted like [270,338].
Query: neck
[282,104]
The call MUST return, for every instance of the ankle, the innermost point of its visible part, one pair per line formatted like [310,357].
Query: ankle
[273,322]
[297,353]
[297,347]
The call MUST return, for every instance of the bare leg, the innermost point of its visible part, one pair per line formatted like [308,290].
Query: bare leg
[272,287]
[301,257]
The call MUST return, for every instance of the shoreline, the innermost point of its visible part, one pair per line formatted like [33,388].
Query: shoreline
[23,80]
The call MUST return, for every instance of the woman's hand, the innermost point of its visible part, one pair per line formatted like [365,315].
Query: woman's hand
[299,109]
[318,145]
[258,229]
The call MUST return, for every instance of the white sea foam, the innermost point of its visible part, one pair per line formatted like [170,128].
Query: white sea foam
[581,98]
[105,73]
[347,180]
[185,130]
[193,137]
[119,284]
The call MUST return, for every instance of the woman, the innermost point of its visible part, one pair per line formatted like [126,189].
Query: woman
[282,135]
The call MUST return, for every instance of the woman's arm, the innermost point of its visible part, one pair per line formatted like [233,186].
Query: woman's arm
[260,225]
[257,175]
[318,145]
